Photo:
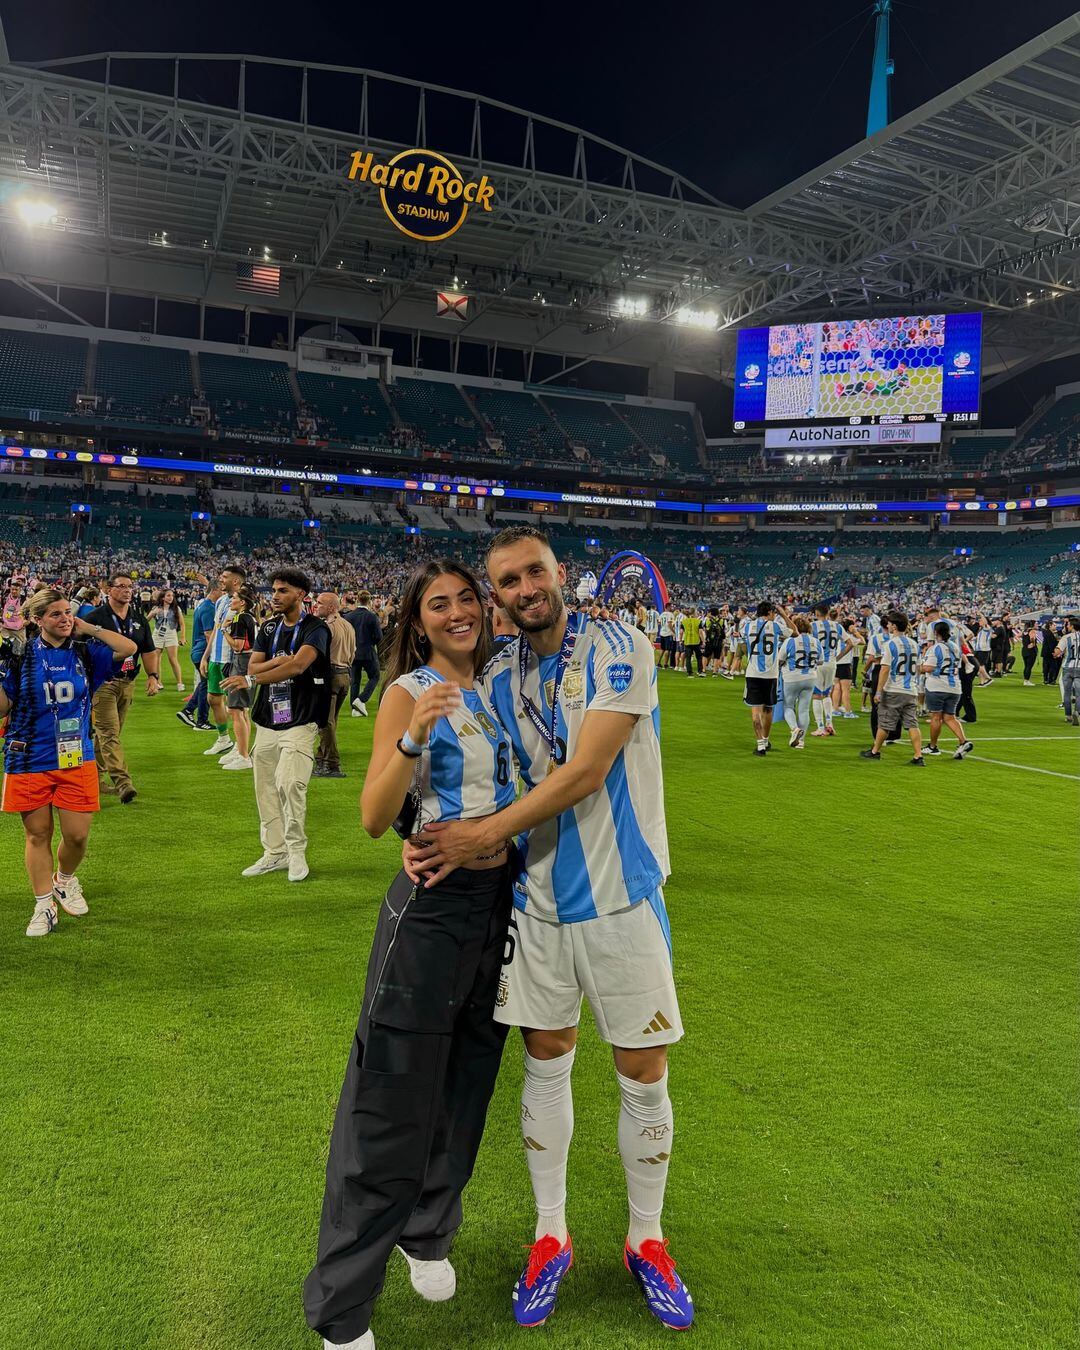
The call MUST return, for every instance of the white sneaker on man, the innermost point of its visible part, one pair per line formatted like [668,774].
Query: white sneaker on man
[220,744]
[360,709]
[364,1342]
[434,1280]
[236,762]
[179,688]
[43,921]
[70,896]
[297,865]
[269,862]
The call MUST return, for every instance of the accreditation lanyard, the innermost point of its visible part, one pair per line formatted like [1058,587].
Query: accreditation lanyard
[281,693]
[533,713]
[124,629]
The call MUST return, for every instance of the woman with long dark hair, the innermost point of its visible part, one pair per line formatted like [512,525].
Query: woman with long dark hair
[167,622]
[426,1053]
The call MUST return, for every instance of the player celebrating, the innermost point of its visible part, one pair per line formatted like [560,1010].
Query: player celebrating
[578,699]
[759,640]
[800,659]
[49,752]
[835,644]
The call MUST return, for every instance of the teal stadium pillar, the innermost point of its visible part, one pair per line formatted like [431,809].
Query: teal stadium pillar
[877,113]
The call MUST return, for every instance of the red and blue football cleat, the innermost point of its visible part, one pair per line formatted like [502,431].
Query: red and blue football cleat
[665,1294]
[538,1285]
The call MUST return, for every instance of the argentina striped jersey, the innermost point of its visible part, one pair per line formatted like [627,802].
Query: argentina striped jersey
[944,678]
[467,773]
[762,639]
[900,656]
[610,850]
[800,655]
[831,635]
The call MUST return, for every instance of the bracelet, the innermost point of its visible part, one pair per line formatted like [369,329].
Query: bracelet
[413,747]
[409,754]
[250,680]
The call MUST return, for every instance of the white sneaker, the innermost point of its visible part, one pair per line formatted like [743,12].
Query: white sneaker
[179,688]
[359,708]
[354,713]
[364,1342]
[44,920]
[269,862]
[236,762]
[433,1280]
[220,744]
[297,865]
[70,897]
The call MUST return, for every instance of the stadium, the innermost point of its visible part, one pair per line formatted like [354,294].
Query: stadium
[289,321]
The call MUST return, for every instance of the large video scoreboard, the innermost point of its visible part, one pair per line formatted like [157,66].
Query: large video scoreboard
[920,368]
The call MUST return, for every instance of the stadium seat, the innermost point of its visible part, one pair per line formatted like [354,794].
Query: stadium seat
[40,372]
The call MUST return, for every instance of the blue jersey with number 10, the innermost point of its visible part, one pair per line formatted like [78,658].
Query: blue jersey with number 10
[46,687]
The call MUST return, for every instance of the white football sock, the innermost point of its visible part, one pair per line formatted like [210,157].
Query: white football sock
[818,712]
[547,1124]
[646,1127]
[828,710]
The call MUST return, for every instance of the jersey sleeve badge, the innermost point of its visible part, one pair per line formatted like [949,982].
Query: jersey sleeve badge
[620,674]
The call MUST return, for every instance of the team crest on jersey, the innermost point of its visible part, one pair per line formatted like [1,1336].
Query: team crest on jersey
[488,725]
[620,674]
[573,685]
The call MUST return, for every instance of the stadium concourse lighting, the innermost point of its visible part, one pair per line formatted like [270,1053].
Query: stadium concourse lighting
[632,306]
[32,211]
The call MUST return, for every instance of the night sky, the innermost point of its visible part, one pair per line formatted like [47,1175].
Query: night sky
[739,98]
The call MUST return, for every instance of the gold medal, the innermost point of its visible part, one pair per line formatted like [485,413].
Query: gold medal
[552,765]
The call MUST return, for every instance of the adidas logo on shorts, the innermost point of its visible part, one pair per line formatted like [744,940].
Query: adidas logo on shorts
[659,1023]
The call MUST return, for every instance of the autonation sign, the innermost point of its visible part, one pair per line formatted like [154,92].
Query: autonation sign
[799,438]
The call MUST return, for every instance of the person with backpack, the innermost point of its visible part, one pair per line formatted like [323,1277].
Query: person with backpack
[46,692]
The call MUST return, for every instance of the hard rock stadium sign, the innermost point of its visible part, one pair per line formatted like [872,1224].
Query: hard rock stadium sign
[424,194]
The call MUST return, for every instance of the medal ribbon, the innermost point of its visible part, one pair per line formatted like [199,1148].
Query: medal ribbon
[531,710]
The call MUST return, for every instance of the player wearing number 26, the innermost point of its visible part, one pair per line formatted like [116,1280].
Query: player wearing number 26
[897,687]
[45,692]
[427,1049]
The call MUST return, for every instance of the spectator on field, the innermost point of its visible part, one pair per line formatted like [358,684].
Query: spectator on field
[365,665]
[167,621]
[342,654]
[240,639]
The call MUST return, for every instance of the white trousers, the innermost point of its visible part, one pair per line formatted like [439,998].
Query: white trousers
[283,761]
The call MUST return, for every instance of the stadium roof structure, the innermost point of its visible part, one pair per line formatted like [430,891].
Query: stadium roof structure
[170,170]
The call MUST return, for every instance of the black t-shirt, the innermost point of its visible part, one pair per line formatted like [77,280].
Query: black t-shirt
[240,627]
[308,692]
[134,627]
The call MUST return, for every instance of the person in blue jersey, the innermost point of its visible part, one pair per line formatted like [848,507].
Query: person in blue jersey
[196,711]
[426,1053]
[897,682]
[940,666]
[578,698]
[1067,652]
[835,646]
[46,692]
[759,641]
[801,659]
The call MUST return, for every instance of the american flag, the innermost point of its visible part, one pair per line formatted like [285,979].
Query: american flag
[258,277]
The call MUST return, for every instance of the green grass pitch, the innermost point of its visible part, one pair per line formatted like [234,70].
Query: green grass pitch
[876,1134]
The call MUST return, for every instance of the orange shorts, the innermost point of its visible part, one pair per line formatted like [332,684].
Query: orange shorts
[66,789]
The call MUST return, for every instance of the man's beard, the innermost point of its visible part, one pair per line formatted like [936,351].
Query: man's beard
[539,625]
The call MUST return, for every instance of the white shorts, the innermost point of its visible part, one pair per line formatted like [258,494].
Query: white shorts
[620,962]
[169,639]
[826,678]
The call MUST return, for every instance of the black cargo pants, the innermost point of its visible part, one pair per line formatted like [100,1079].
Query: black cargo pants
[420,1075]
